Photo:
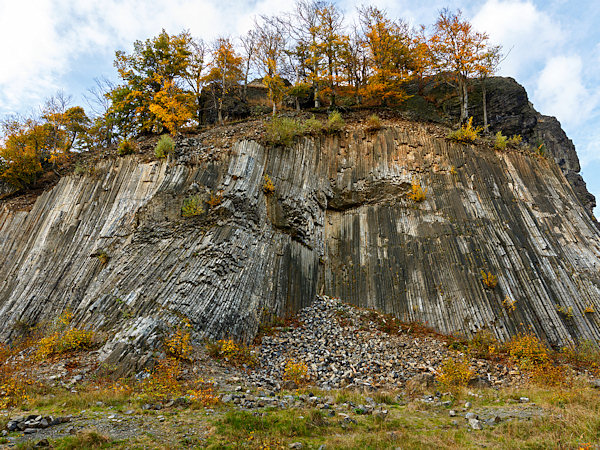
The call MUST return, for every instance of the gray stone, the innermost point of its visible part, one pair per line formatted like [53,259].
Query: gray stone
[475,424]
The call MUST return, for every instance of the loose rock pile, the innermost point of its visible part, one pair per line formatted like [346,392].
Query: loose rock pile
[343,346]
[30,424]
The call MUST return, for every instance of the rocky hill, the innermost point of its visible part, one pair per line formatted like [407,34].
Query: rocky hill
[111,244]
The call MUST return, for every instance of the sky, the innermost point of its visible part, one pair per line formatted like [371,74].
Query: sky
[552,47]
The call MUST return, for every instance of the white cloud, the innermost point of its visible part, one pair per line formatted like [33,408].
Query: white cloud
[528,36]
[560,91]
[48,38]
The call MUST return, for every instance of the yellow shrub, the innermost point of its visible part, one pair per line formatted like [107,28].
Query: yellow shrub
[467,133]
[163,381]
[589,309]
[237,354]
[515,140]
[417,193]
[566,312]
[491,281]
[296,371]
[527,351]
[63,339]
[202,394]
[509,304]
[268,187]
[454,373]
[178,345]
[500,141]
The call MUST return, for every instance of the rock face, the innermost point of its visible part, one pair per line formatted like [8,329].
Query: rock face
[114,248]
[510,111]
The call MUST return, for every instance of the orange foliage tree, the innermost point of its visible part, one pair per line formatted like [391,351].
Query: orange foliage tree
[152,98]
[389,55]
[225,73]
[457,49]
[270,54]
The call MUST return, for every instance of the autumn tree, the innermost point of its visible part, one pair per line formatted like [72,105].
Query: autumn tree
[225,73]
[354,63]
[302,26]
[458,50]
[152,98]
[332,46]
[195,72]
[389,55]
[249,44]
[102,131]
[270,55]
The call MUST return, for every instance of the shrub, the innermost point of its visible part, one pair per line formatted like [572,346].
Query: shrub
[454,372]
[335,123]
[467,133]
[313,126]
[515,140]
[178,344]
[417,193]
[527,351]
[268,187]
[585,354]
[453,171]
[103,257]
[282,131]
[566,312]
[237,354]
[295,371]
[126,147]
[483,345]
[589,309]
[192,206]
[215,199]
[509,304]
[373,123]
[162,382]
[490,281]
[540,148]
[202,394]
[64,339]
[164,146]
[500,141]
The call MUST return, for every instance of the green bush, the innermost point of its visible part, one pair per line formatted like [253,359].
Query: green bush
[192,206]
[164,146]
[282,131]
[335,123]
[500,141]
[312,126]
[126,147]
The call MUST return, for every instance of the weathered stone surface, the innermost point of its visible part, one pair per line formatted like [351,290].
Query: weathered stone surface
[339,222]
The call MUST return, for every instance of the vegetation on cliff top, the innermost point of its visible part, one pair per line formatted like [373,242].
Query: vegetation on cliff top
[173,83]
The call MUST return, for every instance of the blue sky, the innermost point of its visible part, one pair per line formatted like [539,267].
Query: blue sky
[64,44]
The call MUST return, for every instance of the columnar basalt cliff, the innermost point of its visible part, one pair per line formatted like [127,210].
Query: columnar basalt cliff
[340,222]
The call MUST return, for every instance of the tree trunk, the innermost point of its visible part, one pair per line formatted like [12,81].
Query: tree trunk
[464,100]
[274,109]
[483,94]
[317,103]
